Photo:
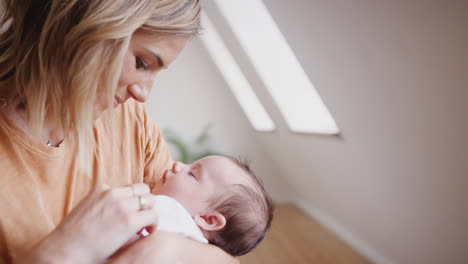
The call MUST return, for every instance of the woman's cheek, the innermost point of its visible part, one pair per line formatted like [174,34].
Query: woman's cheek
[128,70]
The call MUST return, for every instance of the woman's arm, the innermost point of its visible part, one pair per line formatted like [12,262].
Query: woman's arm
[164,247]
[100,224]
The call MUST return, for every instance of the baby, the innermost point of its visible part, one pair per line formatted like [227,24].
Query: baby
[223,199]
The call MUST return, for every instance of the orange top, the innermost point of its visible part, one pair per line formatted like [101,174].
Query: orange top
[39,185]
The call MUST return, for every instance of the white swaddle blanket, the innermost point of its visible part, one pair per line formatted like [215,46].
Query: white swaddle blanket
[173,217]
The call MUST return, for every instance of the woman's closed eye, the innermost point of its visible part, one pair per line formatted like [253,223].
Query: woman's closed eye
[140,63]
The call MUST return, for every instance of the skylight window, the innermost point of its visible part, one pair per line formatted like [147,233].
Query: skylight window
[277,66]
[236,80]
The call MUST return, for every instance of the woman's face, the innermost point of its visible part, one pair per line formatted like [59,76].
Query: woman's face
[147,55]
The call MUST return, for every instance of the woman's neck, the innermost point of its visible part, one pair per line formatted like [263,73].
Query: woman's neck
[16,111]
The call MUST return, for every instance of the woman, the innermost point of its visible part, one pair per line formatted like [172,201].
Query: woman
[70,138]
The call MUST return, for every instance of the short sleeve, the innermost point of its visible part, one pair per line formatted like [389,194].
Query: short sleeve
[157,155]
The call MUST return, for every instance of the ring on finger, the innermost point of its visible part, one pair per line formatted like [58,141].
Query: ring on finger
[142,202]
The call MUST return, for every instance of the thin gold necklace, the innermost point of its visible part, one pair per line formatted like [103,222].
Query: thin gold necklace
[3,104]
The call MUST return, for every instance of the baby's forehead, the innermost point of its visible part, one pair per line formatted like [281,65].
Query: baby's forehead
[229,171]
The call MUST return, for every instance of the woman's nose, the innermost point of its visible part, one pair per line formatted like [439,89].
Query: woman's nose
[139,92]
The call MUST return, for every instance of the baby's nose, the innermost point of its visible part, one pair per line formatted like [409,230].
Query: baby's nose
[177,167]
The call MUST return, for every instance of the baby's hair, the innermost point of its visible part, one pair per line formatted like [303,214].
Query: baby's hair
[248,212]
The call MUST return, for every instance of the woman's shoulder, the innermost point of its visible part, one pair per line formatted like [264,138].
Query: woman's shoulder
[128,120]
[129,129]
[130,113]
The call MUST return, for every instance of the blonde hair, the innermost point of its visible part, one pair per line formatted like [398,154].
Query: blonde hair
[49,48]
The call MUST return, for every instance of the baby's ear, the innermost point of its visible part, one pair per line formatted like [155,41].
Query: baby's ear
[213,221]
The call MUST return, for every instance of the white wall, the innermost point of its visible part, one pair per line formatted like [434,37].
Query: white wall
[191,94]
[394,74]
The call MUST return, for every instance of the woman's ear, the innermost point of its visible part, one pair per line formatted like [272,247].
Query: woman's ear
[213,221]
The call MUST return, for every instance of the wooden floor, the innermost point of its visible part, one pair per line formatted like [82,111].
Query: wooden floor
[296,238]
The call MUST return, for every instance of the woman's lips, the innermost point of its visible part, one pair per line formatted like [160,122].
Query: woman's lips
[117,101]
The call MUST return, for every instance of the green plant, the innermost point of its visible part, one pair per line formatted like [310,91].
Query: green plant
[195,150]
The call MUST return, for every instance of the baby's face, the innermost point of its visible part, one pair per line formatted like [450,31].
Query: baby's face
[194,184]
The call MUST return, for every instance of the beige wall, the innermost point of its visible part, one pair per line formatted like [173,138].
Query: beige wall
[394,74]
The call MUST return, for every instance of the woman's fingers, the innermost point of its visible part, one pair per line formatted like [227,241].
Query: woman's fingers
[136,219]
[139,203]
[120,193]
[108,218]
[132,190]
[103,187]
[145,218]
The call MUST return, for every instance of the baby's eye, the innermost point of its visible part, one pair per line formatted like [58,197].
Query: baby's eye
[140,63]
[191,174]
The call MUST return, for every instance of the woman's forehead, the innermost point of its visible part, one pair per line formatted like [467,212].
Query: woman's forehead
[145,38]
[167,46]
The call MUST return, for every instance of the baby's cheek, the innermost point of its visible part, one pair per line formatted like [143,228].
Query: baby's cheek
[171,188]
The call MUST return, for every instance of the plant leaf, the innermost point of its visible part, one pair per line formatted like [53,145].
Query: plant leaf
[204,134]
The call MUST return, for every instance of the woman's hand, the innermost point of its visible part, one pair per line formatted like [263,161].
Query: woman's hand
[163,247]
[104,221]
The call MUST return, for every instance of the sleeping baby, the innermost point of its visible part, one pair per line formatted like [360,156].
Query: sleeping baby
[216,200]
